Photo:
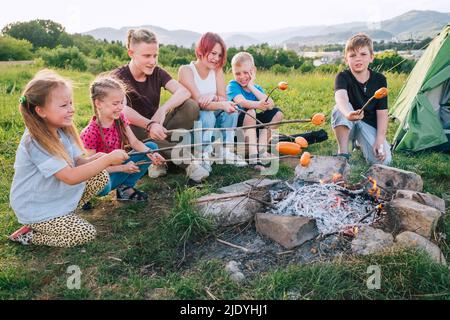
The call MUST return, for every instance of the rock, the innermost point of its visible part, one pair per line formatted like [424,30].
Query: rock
[288,231]
[227,209]
[233,269]
[423,198]
[370,240]
[393,179]
[322,168]
[249,184]
[410,239]
[413,216]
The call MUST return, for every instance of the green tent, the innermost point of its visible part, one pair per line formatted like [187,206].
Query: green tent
[423,107]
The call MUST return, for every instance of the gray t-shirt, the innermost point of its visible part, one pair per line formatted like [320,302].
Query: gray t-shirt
[36,194]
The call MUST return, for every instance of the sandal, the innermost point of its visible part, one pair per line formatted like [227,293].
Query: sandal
[23,235]
[136,195]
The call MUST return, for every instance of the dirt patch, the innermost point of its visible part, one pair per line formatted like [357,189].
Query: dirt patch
[263,254]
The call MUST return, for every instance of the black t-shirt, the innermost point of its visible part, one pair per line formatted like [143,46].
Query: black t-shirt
[360,93]
[144,97]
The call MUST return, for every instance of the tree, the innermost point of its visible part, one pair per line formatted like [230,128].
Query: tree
[41,33]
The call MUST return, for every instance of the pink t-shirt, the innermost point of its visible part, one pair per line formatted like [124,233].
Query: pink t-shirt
[93,140]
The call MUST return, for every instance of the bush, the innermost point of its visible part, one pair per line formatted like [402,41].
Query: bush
[328,68]
[306,67]
[279,69]
[13,49]
[64,58]
[391,61]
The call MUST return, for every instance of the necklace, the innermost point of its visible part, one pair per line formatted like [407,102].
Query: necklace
[365,86]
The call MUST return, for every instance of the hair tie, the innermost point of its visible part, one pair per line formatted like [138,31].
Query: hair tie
[23,100]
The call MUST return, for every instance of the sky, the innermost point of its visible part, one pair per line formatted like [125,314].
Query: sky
[201,16]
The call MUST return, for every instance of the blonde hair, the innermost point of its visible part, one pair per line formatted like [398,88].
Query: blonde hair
[99,89]
[242,57]
[140,35]
[37,93]
[358,41]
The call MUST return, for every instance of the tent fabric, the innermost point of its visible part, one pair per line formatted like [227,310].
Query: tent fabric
[420,122]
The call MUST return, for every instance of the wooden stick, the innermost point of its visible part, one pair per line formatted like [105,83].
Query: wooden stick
[259,122]
[144,162]
[239,128]
[367,103]
[233,245]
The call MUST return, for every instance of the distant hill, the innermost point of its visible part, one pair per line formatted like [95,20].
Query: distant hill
[413,24]
[183,38]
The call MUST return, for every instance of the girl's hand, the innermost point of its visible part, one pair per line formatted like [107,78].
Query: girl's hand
[229,107]
[156,158]
[130,167]
[117,157]
[203,101]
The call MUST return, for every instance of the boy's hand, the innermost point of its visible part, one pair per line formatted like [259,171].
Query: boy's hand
[156,158]
[263,105]
[130,167]
[355,116]
[378,150]
[117,156]
[229,107]
[203,101]
[157,132]
[252,80]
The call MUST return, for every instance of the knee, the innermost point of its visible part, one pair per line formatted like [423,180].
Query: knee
[192,110]
[151,145]
[208,119]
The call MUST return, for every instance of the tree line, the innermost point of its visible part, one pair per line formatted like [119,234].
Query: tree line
[49,43]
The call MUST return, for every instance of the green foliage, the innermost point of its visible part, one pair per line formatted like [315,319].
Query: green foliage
[306,67]
[390,60]
[41,33]
[279,69]
[13,49]
[64,58]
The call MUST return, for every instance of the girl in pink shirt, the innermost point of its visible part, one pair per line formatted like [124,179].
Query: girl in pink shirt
[109,130]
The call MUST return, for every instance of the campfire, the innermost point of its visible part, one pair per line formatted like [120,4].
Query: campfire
[336,206]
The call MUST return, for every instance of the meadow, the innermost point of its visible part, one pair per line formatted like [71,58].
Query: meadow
[135,238]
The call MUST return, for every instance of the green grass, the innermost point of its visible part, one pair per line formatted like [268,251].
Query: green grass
[139,248]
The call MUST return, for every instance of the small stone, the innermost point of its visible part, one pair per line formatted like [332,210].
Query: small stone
[370,240]
[233,268]
[410,239]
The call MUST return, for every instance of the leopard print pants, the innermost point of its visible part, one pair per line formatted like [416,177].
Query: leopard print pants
[70,230]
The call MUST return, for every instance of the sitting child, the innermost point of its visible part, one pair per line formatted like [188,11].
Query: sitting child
[353,88]
[251,97]
[109,130]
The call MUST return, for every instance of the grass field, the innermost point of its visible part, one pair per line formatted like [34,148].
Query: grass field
[133,239]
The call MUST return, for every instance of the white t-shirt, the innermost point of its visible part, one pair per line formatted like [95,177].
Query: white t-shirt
[204,86]
[36,194]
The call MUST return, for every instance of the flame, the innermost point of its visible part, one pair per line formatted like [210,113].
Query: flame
[374,191]
[337,177]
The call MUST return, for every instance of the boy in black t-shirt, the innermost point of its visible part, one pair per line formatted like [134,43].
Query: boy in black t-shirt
[353,88]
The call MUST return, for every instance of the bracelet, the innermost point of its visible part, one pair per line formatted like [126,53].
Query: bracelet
[147,127]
